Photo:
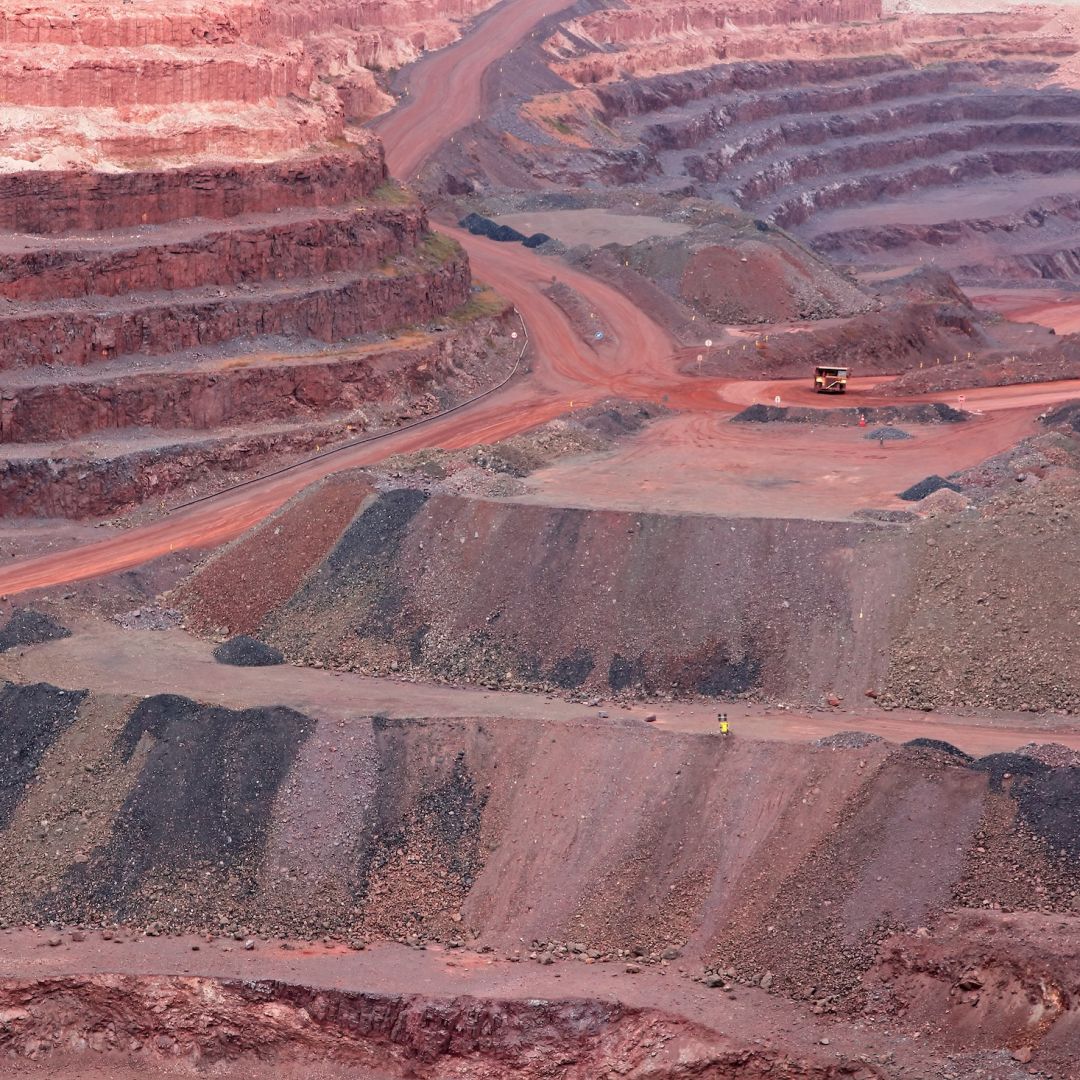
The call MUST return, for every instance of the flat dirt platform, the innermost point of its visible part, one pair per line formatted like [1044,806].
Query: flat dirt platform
[592,227]
[704,464]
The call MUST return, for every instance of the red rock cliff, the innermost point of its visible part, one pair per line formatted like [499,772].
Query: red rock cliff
[181,190]
[110,84]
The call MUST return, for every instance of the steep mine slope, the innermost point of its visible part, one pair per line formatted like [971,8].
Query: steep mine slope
[645,36]
[745,856]
[183,314]
[992,618]
[204,265]
[512,594]
[970,604]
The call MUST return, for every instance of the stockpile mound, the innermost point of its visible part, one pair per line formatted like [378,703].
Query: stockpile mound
[188,816]
[223,257]
[923,413]
[1047,363]
[245,651]
[508,594]
[921,321]
[728,269]
[1065,417]
[29,627]
[991,619]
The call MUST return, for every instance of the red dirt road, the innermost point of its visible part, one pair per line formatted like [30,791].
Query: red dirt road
[1047,307]
[446,91]
[861,393]
[107,660]
[640,364]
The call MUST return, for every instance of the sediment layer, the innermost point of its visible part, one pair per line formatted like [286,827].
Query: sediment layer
[867,134]
[212,296]
[60,202]
[91,445]
[331,309]
[109,88]
[272,1024]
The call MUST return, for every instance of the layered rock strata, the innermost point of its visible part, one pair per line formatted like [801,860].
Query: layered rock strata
[110,84]
[202,261]
[856,135]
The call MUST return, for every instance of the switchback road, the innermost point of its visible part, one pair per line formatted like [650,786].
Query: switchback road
[445,93]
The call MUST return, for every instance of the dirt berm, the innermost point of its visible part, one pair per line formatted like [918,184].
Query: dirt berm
[513,594]
[167,814]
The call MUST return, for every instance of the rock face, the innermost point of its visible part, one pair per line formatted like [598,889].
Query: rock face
[861,134]
[186,216]
[219,310]
[652,36]
[265,1026]
[645,37]
[104,83]
[343,305]
[61,201]
[649,20]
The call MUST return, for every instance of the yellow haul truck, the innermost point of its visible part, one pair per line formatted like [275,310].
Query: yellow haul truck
[830,380]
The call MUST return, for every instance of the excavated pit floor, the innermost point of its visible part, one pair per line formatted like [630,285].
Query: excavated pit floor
[132,1005]
[705,464]
[592,227]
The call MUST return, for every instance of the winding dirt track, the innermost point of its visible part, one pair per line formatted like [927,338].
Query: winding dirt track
[446,91]
[641,363]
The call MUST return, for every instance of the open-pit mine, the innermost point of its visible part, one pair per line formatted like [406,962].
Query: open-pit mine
[539,539]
